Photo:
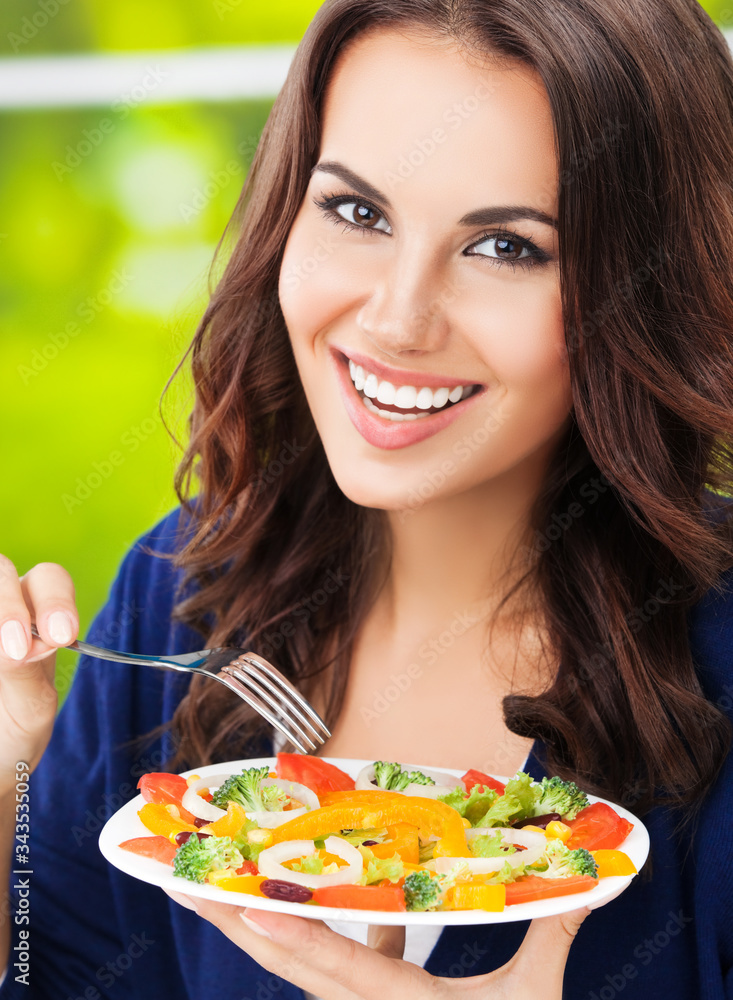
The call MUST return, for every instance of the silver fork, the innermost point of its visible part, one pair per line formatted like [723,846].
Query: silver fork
[248,675]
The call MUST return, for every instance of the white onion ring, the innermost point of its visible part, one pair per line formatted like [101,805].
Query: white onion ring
[200,807]
[523,837]
[264,818]
[269,819]
[270,862]
[365,781]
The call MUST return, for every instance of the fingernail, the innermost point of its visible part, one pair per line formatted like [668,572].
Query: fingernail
[59,628]
[14,640]
[253,926]
[182,900]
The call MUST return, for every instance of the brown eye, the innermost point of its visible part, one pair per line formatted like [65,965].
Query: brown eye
[356,213]
[508,249]
[365,215]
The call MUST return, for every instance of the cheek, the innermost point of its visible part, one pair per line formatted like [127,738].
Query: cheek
[318,283]
[522,338]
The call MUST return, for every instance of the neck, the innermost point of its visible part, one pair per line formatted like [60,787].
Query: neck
[456,555]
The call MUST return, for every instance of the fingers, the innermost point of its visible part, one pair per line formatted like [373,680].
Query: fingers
[15,633]
[389,941]
[48,592]
[44,595]
[291,964]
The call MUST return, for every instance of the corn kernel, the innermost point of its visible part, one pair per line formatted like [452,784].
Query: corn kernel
[558,831]
[192,778]
[466,822]
[536,829]
[264,837]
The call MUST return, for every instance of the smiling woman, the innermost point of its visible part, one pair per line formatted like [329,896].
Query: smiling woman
[481,300]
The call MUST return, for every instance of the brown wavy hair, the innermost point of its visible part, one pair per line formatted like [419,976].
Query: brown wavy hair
[629,528]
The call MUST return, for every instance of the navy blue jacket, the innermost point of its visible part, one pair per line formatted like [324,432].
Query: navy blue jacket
[95,932]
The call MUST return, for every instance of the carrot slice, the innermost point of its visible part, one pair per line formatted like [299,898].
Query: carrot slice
[532,887]
[361,897]
[158,848]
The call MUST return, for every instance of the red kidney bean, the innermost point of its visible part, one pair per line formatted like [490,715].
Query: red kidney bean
[183,836]
[540,821]
[276,888]
[200,822]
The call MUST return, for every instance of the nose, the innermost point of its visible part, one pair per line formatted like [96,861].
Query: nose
[406,311]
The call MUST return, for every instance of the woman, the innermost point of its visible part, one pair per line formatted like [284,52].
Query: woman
[532,214]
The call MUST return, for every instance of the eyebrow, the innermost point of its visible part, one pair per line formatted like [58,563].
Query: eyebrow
[479,217]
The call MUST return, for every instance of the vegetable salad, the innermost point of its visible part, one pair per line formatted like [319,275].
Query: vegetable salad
[393,839]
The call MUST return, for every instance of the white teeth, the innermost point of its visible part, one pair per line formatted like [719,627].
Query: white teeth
[389,415]
[406,397]
[424,398]
[386,393]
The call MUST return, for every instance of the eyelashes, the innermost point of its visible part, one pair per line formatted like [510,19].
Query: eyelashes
[533,256]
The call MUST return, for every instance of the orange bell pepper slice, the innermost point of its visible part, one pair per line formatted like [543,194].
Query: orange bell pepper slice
[360,810]
[160,821]
[613,863]
[403,840]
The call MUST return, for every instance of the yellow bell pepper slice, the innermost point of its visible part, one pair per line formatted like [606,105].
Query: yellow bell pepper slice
[362,810]
[228,825]
[475,896]
[159,820]
[613,863]
[240,883]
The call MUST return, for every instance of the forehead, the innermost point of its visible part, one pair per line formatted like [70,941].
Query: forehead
[418,113]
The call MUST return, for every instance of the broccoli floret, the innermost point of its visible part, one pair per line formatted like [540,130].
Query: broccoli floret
[245,789]
[558,796]
[561,862]
[392,778]
[196,858]
[422,891]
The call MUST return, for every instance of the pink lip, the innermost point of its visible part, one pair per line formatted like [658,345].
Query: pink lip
[390,434]
[401,376]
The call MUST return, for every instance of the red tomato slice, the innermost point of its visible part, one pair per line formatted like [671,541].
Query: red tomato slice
[361,897]
[473,777]
[598,827]
[159,848]
[314,773]
[533,887]
[162,788]
[248,868]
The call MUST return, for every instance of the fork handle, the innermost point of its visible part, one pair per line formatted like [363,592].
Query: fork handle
[115,657]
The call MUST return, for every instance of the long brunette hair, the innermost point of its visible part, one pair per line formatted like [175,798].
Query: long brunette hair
[629,527]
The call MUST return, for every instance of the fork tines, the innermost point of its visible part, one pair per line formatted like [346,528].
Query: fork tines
[269,686]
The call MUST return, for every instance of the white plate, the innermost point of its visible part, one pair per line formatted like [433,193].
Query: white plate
[125,824]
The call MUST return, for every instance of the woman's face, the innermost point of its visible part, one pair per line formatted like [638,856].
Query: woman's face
[424,259]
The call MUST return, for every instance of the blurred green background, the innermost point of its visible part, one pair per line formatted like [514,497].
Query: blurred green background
[104,274]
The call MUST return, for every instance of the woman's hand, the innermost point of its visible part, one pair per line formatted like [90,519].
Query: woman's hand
[312,956]
[45,595]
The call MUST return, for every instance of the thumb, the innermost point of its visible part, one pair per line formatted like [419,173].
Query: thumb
[550,937]
[389,941]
